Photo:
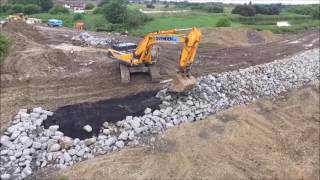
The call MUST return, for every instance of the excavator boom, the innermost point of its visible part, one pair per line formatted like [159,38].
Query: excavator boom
[143,55]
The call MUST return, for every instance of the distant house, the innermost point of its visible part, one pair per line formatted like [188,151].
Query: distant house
[75,5]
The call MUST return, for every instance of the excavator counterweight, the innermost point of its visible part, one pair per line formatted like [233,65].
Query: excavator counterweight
[145,56]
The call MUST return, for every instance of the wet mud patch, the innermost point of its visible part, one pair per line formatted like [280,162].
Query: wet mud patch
[72,118]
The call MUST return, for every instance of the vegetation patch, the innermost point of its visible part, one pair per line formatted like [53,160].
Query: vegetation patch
[4,46]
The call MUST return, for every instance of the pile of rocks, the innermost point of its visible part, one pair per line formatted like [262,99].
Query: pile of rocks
[86,39]
[26,145]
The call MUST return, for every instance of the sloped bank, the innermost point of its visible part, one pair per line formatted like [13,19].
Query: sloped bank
[42,147]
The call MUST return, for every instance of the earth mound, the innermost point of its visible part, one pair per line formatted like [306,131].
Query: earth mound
[236,37]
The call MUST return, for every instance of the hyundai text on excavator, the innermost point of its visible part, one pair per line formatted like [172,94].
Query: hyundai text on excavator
[143,57]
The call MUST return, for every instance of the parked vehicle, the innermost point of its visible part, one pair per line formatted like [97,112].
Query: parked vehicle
[55,22]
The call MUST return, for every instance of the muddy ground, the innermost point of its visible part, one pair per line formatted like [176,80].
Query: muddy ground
[44,69]
[263,140]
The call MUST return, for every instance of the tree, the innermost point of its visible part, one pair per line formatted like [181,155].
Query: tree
[244,10]
[31,9]
[134,18]
[268,9]
[103,2]
[223,22]
[115,11]
[150,6]
[98,10]
[89,6]
[5,8]
[58,9]
[78,16]
[16,8]
[215,8]
[45,5]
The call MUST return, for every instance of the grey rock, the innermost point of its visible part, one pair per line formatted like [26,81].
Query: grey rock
[54,147]
[26,152]
[50,156]
[43,164]
[27,171]
[90,141]
[18,154]
[37,110]
[105,124]
[65,142]
[48,113]
[4,139]
[80,153]
[67,157]
[36,145]
[54,128]
[87,128]
[34,115]
[72,152]
[3,152]
[147,111]
[106,131]
[123,135]
[5,176]
[110,141]
[156,113]
[120,144]
[26,141]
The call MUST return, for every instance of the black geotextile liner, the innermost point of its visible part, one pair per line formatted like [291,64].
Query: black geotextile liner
[72,118]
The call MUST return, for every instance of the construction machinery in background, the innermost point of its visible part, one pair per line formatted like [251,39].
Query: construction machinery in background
[17,17]
[142,58]
[80,26]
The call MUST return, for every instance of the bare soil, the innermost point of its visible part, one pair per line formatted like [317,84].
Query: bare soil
[263,140]
[44,69]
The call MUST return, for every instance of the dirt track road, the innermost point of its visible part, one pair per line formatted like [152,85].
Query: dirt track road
[264,140]
[72,79]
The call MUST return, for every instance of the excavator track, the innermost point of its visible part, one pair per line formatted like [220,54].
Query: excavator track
[126,72]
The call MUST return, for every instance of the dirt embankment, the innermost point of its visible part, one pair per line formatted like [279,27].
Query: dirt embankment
[264,140]
[236,37]
[30,56]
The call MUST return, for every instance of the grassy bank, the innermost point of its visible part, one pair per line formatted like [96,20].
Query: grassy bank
[4,46]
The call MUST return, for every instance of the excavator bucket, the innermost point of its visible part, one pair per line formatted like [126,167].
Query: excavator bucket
[181,83]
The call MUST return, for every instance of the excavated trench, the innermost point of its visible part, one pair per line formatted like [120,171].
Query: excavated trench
[72,118]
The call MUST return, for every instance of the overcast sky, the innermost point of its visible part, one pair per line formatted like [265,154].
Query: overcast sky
[260,1]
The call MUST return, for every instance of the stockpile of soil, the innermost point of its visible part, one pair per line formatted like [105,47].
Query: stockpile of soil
[235,37]
[30,56]
[22,28]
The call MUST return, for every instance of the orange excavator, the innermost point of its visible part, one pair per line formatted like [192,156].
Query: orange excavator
[142,58]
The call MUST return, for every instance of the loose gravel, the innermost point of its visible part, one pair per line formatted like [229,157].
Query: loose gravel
[86,39]
[26,146]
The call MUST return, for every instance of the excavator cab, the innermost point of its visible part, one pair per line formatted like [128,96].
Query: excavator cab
[146,54]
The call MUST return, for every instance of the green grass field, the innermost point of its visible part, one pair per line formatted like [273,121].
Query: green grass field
[203,20]
[181,20]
